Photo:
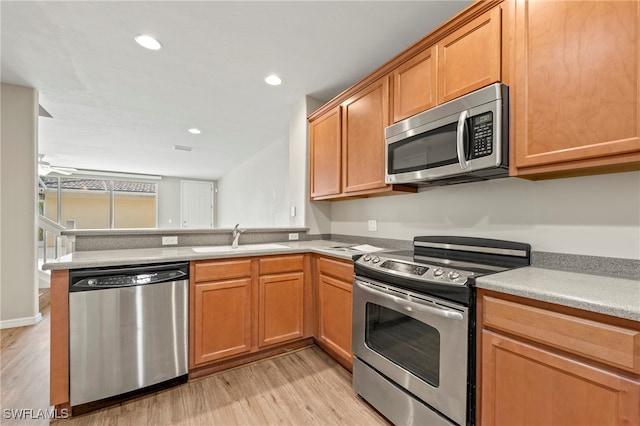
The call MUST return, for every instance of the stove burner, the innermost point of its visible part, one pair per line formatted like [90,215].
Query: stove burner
[443,266]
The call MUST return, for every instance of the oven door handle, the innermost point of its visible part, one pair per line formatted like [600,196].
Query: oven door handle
[412,304]
[460,145]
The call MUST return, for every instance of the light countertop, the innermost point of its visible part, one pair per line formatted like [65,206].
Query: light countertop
[102,258]
[617,297]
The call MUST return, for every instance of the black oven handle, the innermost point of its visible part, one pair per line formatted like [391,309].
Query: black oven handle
[412,304]
[460,134]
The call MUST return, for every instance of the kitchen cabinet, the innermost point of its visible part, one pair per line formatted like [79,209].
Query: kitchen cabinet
[576,93]
[347,146]
[545,364]
[471,57]
[467,59]
[415,85]
[325,135]
[365,116]
[248,308]
[222,309]
[334,281]
[281,294]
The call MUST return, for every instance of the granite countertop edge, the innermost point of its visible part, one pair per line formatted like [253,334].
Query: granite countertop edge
[614,296]
[106,258]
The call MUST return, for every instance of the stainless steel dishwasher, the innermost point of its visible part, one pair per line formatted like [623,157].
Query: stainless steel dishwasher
[128,330]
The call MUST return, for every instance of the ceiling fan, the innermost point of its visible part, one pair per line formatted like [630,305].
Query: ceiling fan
[44,168]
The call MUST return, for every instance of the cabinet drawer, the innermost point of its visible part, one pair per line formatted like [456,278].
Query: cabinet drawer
[334,268]
[222,270]
[612,345]
[279,264]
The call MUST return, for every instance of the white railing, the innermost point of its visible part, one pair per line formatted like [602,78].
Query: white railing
[61,246]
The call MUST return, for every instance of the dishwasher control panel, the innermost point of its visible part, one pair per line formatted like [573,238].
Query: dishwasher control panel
[84,280]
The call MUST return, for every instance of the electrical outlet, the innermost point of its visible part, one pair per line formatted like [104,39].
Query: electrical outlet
[294,236]
[169,241]
[373,225]
[293,212]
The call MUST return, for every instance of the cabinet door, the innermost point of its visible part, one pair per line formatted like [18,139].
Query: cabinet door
[525,385]
[577,84]
[365,116]
[222,319]
[470,57]
[414,85]
[334,315]
[281,308]
[325,153]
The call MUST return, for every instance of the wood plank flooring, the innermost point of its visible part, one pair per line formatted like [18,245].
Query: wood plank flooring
[305,387]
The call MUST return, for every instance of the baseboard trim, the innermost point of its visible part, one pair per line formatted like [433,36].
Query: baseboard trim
[21,322]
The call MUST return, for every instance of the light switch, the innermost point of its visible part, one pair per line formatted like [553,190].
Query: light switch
[373,225]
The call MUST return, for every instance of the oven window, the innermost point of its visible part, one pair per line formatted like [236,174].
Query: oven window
[413,345]
[427,150]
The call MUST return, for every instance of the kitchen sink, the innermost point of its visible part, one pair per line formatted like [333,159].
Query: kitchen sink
[240,248]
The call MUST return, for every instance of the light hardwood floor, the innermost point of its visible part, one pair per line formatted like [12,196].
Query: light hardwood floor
[305,387]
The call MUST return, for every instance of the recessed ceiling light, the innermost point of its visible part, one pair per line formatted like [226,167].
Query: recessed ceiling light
[183,148]
[194,131]
[273,80]
[148,42]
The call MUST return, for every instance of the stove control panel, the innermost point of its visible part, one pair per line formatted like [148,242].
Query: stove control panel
[422,272]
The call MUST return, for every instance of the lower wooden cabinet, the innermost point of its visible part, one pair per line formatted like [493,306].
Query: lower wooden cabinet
[281,308]
[242,306]
[222,319]
[543,364]
[526,385]
[334,304]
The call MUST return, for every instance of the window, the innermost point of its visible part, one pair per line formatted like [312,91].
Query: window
[100,203]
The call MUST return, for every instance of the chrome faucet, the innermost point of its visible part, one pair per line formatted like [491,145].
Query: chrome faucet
[236,235]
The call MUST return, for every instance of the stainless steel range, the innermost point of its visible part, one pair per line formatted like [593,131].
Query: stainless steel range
[414,326]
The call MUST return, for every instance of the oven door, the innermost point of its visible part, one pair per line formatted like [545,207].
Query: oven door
[419,342]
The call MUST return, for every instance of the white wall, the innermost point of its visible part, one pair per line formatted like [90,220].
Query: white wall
[18,171]
[593,215]
[256,193]
[316,216]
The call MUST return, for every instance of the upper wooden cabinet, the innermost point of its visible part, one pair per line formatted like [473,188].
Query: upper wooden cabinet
[467,59]
[364,117]
[576,95]
[325,135]
[347,146]
[415,85]
[470,57]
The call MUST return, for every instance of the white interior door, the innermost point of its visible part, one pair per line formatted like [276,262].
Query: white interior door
[196,204]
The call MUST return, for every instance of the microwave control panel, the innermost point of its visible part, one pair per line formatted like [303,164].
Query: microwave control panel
[481,135]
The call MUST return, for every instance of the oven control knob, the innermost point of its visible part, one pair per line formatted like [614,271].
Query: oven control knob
[367,257]
[437,272]
[376,259]
[454,275]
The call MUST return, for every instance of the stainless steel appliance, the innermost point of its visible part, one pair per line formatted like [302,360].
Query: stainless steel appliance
[414,326]
[463,140]
[128,329]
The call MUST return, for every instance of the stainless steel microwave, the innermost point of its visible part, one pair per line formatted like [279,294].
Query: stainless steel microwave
[463,140]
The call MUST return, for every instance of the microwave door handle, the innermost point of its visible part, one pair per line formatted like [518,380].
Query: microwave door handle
[460,135]
[411,305]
